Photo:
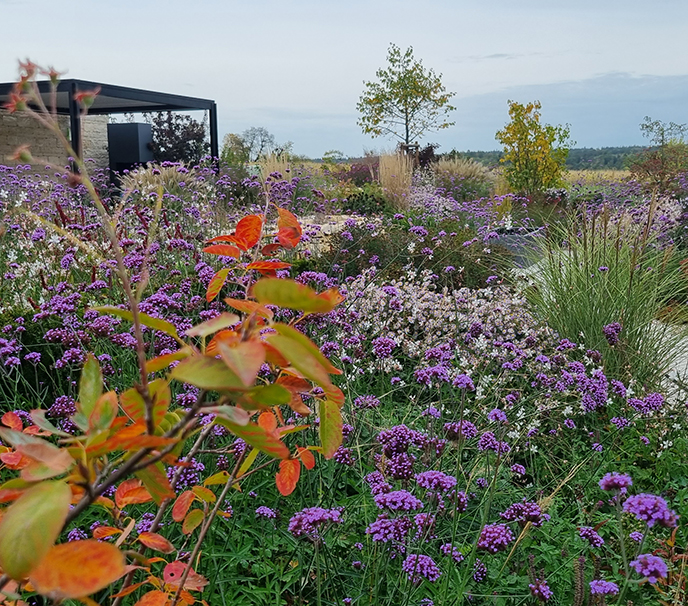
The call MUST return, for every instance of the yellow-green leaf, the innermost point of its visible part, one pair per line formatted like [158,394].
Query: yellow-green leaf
[154,323]
[330,428]
[30,527]
[192,521]
[90,386]
[291,294]
[207,373]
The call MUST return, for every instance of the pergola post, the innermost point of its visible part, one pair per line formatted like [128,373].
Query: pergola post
[214,147]
[74,121]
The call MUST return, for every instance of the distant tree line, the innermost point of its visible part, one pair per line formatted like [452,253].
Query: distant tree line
[579,158]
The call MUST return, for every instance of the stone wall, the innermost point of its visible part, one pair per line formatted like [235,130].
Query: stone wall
[20,129]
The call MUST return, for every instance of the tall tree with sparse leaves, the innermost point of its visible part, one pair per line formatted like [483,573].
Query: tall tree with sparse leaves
[406,101]
[535,154]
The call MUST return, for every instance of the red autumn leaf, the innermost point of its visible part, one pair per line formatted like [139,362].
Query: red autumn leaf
[248,231]
[172,575]
[288,229]
[13,421]
[130,589]
[270,249]
[157,542]
[192,521]
[77,569]
[131,492]
[129,438]
[47,461]
[160,362]
[153,598]
[288,476]
[249,307]
[105,531]
[267,421]
[268,267]
[10,494]
[223,250]
[14,460]
[182,504]
[224,238]
[216,284]
[307,457]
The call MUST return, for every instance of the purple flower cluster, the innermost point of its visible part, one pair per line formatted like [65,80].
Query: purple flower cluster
[525,512]
[588,533]
[611,332]
[615,481]
[540,590]
[385,529]
[495,538]
[460,429]
[599,587]
[308,521]
[650,566]
[651,509]
[419,567]
[398,500]
[449,550]
[435,481]
[266,512]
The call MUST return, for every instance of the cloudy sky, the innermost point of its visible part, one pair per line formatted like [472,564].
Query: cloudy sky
[297,67]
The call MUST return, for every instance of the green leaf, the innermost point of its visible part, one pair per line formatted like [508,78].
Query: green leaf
[330,428]
[156,482]
[31,526]
[224,320]
[207,373]
[291,294]
[145,319]
[302,359]
[313,349]
[267,396]
[256,436]
[90,386]
[192,520]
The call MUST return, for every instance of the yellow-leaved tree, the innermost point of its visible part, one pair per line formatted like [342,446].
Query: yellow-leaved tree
[534,153]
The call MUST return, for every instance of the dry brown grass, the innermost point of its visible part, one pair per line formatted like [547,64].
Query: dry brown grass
[465,168]
[150,178]
[396,173]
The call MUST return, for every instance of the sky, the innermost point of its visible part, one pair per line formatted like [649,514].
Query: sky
[297,67]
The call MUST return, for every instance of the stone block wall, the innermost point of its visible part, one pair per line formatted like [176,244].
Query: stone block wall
[20,129]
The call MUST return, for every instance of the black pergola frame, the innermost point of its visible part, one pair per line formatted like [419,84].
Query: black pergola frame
[139,100]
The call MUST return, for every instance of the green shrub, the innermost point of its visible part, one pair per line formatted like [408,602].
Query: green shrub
[464,179]
[368,199]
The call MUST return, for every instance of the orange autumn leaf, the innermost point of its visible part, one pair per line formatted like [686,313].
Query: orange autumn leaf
[173,572]
[249,307]
[288,476]
[268,267]
[153,598]
[14,460]
[288,228]
[307,457]
[105,531]
[12,420]
[268,421]
[223,250]
[216,284]
[182,504]
[157,542]
[248,231]
[131,492]
[78,569]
